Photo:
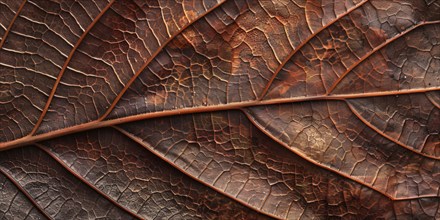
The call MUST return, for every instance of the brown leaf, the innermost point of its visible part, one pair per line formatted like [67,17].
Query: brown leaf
[220,109]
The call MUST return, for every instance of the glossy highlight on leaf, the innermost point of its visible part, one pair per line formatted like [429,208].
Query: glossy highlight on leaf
[220,109]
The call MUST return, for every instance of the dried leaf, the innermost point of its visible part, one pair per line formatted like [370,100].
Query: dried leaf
[220,109]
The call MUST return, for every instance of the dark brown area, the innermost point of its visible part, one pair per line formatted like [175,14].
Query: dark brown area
[220,109]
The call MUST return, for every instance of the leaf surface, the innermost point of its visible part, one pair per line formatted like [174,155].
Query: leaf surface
[220,109]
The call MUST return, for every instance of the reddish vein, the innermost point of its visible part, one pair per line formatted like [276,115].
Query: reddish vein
[99,124]
[151,58]
[366,56]
[293,52]
[434,103]
[74,173]
[63,69]
[323,166]
[368,124]
[28,196]
[148,147]
[11,24]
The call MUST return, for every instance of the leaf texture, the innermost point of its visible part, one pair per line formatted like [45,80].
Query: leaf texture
[220,109]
